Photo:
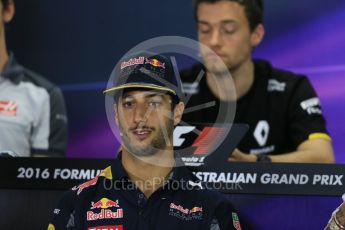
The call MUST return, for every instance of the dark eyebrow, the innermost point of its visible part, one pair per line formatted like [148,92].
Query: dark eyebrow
[154,94]
[125,95]
[222,22]
[148,95]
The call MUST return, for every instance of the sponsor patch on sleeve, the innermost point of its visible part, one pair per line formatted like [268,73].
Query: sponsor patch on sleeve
[236,221]
[312,106]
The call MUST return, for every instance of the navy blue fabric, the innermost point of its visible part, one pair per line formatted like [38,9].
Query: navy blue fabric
[167,208]
[147,69]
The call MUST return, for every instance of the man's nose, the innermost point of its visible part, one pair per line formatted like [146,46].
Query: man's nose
[141,113]
[215,38]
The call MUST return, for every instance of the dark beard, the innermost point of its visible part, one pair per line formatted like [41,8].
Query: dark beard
[157,144]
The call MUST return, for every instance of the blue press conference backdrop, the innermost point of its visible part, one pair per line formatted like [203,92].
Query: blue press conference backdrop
[77,43]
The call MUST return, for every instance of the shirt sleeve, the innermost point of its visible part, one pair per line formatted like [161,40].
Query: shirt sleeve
[58,123]
[306,120]
[63,214]
[53,115]
[225,217]
[40,127]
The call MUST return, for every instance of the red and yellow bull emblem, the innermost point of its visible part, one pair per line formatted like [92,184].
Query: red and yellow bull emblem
[154,62]
[105,203]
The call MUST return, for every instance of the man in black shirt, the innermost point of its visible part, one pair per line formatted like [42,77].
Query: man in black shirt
[281,108]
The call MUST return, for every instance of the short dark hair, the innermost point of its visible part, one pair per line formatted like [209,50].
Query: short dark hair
[254,10]
[5,3]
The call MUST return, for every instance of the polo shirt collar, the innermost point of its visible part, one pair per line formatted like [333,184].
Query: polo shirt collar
[13,71]
[176,174]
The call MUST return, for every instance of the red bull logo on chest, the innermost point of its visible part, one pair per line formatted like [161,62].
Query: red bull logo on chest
[105,205]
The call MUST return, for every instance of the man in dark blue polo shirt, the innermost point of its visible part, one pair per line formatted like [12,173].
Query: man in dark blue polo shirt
[145,187]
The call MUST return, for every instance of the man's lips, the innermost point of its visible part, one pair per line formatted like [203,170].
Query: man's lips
[141,134]
[214,55]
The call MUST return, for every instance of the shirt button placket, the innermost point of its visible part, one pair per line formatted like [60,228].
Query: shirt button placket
[141,203]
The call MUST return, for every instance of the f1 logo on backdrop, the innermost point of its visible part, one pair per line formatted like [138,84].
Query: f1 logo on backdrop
[200,144]
[180,131]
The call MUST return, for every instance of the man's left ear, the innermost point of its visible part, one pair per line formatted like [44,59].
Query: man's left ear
[257,35]
[8,13]
[178,112]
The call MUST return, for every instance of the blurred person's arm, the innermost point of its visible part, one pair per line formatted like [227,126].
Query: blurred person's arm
[310,151]
[337,220]
[56,118]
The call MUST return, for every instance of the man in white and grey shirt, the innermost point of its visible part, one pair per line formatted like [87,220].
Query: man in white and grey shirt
[33,118]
